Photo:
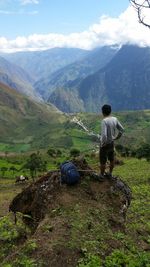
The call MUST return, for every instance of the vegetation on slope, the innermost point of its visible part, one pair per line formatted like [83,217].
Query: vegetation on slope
[27,125]
[76,230]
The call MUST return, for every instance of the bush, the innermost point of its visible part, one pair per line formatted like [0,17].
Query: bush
[124,150]
[74,152]
[51,152]
[143,151]
[8,232]
[120,258]
[90,261]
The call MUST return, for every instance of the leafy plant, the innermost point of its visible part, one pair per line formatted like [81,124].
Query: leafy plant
[24,261]
[7,230]
[122,258]
[30,246]
[90,261]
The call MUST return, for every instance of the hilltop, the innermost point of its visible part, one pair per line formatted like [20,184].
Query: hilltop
[65,220]
[82,225]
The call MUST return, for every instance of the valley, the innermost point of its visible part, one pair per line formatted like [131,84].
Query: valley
[54,115]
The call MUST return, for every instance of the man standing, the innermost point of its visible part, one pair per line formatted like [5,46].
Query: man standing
[111,129]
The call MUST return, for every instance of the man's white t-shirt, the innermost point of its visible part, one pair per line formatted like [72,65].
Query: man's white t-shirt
[111,129]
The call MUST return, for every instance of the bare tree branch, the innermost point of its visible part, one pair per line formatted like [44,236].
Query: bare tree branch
[141,7]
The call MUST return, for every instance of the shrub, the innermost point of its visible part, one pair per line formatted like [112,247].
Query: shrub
[51,152]
[143,151]
[74,152]
[90,261]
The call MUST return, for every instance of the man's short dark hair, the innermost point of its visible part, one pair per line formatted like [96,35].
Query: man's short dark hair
[106,109]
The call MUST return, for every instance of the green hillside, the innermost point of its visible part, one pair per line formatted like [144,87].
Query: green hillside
[77,226]
[24,123]
[27,125]
[136,124]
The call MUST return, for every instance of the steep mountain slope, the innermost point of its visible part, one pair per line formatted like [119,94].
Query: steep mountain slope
[124,82]
[71,75]
[43,63]
[16,78]
[25,122]
[66,100]
[27,125]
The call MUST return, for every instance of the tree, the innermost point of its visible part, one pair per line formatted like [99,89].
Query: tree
[143,9]
[74,152]
[143,151]
[35,163]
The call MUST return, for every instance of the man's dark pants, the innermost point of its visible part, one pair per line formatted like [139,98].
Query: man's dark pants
[106,153]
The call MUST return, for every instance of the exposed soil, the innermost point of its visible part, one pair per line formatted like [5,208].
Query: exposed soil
[62,216]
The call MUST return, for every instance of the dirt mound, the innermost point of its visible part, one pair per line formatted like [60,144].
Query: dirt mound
[34,200]
[68,219]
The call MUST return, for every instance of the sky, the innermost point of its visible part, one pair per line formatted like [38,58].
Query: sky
[28,25]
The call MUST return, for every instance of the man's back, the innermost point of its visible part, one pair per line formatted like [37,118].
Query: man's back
[111,129]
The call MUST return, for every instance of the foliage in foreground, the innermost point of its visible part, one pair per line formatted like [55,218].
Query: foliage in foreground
[118,258]
[130,253]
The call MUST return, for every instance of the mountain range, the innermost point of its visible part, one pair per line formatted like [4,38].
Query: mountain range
[77,80]
[72,74]
[42,63]
[124,82]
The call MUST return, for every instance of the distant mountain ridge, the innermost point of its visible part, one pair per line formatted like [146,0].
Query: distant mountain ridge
[16,78]
[42,63]
[124,82]
[71,75]
[85,80]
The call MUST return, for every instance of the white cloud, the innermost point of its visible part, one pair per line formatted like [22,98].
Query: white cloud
[26,2]
[108,31]
[19,12]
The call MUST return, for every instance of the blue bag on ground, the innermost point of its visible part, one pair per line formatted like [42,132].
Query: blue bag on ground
[69,173]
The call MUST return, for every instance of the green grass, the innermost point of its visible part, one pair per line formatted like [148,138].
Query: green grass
[15,147]
[132,243]
[137,174]
[43,126]
[8,190]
